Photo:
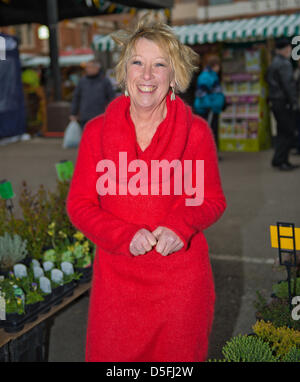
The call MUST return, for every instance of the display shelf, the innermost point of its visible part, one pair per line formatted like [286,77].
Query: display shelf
[244,124]
[78,291]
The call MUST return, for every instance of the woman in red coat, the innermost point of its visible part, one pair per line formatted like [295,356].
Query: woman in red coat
[145,186]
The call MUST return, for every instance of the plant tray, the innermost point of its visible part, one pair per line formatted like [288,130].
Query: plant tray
[86,274]
[16,322]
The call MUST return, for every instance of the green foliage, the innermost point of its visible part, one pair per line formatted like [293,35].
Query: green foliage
[281,339]
[67,256]
[36,218]
[292,356]
[57,212]
[40,210]
[13,304]
[247,349]
[281,289]
[73,277]
[277,311]
[33,296]
[50,255]
[29,286]
[12,250]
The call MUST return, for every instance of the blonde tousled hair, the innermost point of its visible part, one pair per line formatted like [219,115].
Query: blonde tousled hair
[184,61]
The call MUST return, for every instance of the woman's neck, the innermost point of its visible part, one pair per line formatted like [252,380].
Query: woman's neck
[148,118]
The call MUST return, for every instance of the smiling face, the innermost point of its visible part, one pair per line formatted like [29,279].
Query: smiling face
[149,75]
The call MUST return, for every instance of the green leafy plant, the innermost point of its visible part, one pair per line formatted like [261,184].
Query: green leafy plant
[12,250]
[58,211]
[83,253]
[243,348]
[36,219]
[292,356]
[13,303]
[67,256]
[50,255]
[276,311]
[32,292]
[33,295]
[281,289]
[73,277]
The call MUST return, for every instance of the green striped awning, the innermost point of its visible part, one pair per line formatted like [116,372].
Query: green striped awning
[255,28]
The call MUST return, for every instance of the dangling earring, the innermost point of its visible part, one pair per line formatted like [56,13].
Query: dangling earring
[173,94]
[126,93]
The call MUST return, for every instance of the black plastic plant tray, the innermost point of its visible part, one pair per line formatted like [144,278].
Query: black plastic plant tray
[17,324]
[86,274]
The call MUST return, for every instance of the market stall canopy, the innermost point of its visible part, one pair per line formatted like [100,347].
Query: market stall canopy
[71,60]
[255,28]
[14,12]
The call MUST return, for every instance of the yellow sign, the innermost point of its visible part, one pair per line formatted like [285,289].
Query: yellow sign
[285,242]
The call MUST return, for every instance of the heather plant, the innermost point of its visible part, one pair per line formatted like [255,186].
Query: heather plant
[12,250]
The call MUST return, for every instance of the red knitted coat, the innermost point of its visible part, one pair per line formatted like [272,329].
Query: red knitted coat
[148,307]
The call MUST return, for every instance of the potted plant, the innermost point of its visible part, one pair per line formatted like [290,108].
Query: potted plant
[83,251]
[245,348]
[14,306]
[12,250]
[33,299]
[282,340]
[46,289]
[33,295]
[276,311]
[280,289]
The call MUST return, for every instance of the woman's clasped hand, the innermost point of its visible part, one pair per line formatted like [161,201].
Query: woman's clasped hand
[163,239]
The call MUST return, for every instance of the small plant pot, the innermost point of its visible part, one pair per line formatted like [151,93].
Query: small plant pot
[26,261]
[69,288]
[4,272]
[46,303]
[14,322]
[58,294]
[31,311]
[86,274]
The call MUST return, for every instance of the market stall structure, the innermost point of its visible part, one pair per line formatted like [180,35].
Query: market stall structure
[245,46]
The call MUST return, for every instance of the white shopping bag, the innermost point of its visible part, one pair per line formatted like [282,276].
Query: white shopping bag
[72,135]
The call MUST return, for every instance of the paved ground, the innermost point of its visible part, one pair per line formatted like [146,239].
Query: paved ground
[241,256]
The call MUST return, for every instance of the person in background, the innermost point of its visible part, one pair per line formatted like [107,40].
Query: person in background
[92,94]
[284,103]
[209,98]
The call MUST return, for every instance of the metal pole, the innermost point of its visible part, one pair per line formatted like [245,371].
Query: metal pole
[288,268]
[52,17]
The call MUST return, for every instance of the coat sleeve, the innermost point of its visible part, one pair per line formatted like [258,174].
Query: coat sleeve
[84,206]
[186,221]
[76,100]
[288,83]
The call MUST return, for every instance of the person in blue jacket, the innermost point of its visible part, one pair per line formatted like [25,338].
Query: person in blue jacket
[209,98]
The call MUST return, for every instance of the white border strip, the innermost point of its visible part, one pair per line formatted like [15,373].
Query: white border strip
[252,260]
